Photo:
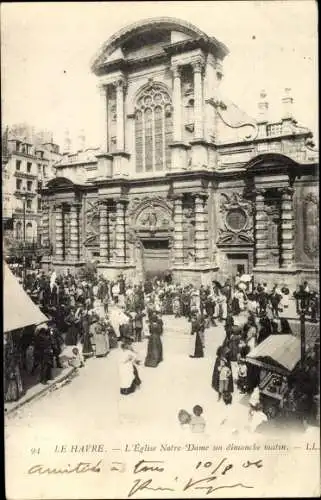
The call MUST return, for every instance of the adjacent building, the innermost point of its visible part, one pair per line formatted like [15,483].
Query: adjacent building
[26,168]
[184,181]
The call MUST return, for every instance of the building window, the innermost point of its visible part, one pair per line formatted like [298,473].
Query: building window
[18,184]
[18,164]
[39,203]
[44,171]
[29,231]
[153,130]
[39,168]
[29,165]
[29,204]
[29,185]
[19,230]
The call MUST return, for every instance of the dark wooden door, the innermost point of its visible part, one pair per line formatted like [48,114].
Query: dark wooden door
[156,258]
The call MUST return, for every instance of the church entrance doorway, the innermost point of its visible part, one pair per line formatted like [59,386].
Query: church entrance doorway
[238,263]
[155,258]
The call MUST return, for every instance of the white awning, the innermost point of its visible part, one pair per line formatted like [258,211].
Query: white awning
[18,309]
[283,351]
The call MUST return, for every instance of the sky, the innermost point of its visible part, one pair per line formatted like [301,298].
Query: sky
[47,50]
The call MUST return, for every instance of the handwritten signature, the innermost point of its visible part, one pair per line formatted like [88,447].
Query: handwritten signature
[207,483]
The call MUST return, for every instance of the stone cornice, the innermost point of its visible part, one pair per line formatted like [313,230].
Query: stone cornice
[262,140]
[124,35]
[126,65]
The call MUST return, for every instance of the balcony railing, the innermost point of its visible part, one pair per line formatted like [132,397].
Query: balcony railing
[25,175]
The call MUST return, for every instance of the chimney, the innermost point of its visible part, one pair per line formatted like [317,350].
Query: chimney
[263,106]
[287,102]
[67,143]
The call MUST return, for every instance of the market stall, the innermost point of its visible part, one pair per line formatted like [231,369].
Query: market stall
[20,315]
[276,358]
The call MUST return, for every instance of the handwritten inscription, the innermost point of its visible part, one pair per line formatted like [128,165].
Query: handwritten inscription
[209,484]
[207,476]
[79,468]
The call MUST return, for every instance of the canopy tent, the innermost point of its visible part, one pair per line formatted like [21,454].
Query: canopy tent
[19,310]
[280,351]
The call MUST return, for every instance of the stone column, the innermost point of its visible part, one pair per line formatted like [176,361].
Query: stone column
[261,221]
[120,125]
[103,231]
[59,243]
[103,125]
[45,225]
[198,99]
[177,103]
[74,231]
[178,230]
[120,230]
[287,228]
[201,229]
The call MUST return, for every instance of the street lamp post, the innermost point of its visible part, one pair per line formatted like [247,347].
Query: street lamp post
[303,304]
[24,196]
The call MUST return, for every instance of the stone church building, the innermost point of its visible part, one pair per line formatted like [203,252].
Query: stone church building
[184,181]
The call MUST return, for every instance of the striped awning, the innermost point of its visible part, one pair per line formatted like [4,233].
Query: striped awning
[281,351]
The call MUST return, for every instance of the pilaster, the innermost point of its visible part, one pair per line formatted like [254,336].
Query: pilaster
[120,230]
[261,221]
[59,244]
[178,229]
[74,231]
[287,228]
[103,231]
[201,228]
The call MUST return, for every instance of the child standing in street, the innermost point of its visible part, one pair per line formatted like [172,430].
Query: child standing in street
[197,422]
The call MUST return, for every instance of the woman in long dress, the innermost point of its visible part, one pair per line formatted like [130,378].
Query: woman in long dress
[155,346]
[101,340]
[129,376]
[197,331]
[87,350]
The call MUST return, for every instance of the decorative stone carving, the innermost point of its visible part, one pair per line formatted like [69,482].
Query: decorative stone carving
[188,88]
[92,223]
[237,220]
[311,225]
[147,213]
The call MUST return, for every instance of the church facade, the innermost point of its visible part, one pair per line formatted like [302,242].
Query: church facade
[184,181]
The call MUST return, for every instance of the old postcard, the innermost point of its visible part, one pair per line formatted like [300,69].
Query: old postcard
[161,250]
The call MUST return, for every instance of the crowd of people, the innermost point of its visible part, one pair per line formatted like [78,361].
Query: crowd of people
[93,315]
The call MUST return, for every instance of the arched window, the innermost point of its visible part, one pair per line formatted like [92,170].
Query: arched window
[153,130]
[29,231]
[18,230]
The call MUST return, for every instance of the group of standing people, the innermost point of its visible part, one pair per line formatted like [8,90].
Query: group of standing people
[94,315]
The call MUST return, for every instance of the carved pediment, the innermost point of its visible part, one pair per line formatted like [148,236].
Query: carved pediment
[150,214]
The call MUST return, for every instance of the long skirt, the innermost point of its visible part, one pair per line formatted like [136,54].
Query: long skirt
[87,347]
[135,383]
[198,347]
[154,351]
[102,344]
[72,335]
